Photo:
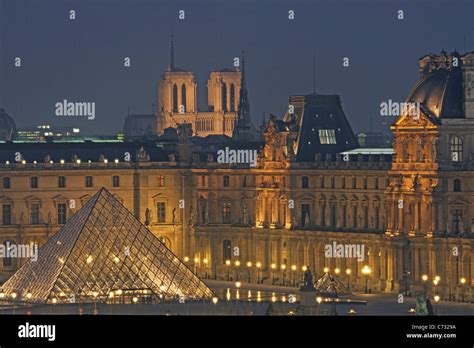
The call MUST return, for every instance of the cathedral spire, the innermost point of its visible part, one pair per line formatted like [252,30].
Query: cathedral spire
[244,129]
[243,111]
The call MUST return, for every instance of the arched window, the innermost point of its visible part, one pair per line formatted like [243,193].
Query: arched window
[232,97]
[457,185]
[227,250]
[175,98]
[456,148]
[304,182]
[224,97]
[183,97]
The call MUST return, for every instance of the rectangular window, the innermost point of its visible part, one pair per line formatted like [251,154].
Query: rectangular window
[327,136]
[34,182]
[7,214]
[62,181]
[226,181]
[34,214]
[226,208]
[6,183]
[161,181]
[89,181]
[62,213]
[116,181]
[161,211]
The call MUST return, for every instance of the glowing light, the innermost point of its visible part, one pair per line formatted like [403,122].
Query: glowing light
[258,264]
[238,284]
[304,268]
[326,269]
[54,300]
[214,300]
[319,299]
[249,264]
[237,263]
[227,262]
[463,280]
[348,271]
[135,299]
[293,267]
[337,271]
[424,277]
[436,298]
[186,259]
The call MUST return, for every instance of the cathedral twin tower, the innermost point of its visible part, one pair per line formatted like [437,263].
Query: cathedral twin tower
[177,100]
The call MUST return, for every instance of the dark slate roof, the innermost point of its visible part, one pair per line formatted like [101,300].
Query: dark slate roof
[440,93]
[323,112]
[85,151]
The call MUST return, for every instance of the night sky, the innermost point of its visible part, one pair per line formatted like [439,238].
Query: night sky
[82,60]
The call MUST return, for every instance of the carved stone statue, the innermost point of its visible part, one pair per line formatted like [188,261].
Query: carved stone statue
[308,281]
[147,217]
[174,215]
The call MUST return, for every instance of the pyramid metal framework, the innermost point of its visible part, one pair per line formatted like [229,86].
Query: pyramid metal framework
[329,286]
[101,251]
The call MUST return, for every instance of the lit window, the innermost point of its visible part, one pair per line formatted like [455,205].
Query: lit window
[456,149]
[161,181]
[226,207]
[327,136]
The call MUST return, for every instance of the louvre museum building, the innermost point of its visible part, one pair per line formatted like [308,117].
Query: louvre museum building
[161,213]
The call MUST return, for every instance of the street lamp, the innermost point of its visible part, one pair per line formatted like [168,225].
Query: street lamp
[95,294]
[259,264]
[283,268]
[249,265]
[196,261]
[436,298]
[293,270]
[424,277]
[326,269]
[205,268]
[237,265]
[366,271]
[186,259]
[348,273]
[227,263]
[337,271]
[273,266]
[463,281]
[435,282]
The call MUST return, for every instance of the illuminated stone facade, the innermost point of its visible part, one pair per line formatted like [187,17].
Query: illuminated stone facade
[412,211]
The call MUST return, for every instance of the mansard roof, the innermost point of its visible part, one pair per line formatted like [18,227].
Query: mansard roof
[320,116]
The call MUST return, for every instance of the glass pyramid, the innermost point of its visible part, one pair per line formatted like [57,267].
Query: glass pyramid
[104,254]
